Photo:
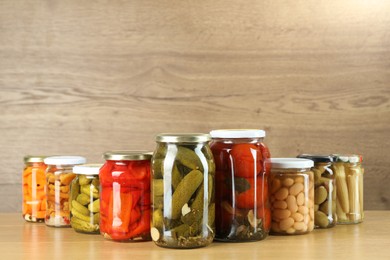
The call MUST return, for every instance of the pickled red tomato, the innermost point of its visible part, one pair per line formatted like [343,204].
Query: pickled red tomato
[245,158]
[254,195]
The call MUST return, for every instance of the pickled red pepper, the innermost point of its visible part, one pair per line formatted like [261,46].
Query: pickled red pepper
[125,200]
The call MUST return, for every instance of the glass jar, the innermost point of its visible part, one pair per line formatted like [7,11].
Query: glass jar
[84,199]
[349,182]
[59,175]
[125,196]
[292,196]
[183,191]
[33,183]
[241,197]
[324,190]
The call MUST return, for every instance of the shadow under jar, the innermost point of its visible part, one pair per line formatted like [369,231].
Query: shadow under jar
[324,190]
[183,191]
[125,196]
[59,175]
[242,170]
[292,196]
[84,199]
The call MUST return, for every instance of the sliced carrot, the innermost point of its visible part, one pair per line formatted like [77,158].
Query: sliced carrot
[41,214]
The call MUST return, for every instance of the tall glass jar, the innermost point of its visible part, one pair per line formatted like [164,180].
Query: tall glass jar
[349,182]
[324,190]
[292,196]
[84,199]
[59,175]
[34,181]
[125,196]
[183,191]
[241,197]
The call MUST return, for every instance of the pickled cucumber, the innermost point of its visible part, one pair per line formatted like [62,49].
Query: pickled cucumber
[80,208]
[88,189]
[94,206]
[184,191]
[83,199]
[176,176]
[158,187]
[189,158]
[83,180]
[158,220]
[83,226]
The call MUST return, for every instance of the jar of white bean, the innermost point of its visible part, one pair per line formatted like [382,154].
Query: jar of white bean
[291,196]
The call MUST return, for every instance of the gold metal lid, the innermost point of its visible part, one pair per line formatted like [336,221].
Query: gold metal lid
[127,155]
[34,158]
[183,138]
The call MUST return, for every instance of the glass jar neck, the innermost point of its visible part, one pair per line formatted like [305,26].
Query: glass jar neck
[239,140]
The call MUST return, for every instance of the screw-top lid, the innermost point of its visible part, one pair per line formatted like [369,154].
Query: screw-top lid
[87,169]
[65,160]
[317,158]
[291,163]
[127,155]
[34,158]
[183,138]
[349,158]
[237,133]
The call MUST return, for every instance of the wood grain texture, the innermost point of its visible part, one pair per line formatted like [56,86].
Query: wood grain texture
[368,240]
[83,77]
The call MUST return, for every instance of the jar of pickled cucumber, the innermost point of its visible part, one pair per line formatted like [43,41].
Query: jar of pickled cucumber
[183,191]
[349,182]
[34,181]
[291,196]
[59,175]
[324,190]
[84,199]
[241,194]
[125,196]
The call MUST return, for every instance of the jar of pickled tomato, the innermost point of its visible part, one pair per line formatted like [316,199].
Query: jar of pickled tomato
[34,181]
[242,201]
[125,196]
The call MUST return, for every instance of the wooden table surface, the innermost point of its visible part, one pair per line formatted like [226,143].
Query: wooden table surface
[369,240]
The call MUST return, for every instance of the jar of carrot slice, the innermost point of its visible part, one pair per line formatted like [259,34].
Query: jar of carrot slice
[34,197]
[125,196]
[59,176]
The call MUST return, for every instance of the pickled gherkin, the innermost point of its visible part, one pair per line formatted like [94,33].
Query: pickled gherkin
[84,200]
[183,191]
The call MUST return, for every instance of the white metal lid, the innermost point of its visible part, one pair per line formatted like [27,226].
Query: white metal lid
[87,169]
[237,133]
[65,160]
[289,163]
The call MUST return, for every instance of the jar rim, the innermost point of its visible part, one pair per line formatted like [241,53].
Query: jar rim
[65,160]
[291,163]
[317,158]
[127,155]
[87,169]
[348,158]
[34,158]
[237,133]
[183,138]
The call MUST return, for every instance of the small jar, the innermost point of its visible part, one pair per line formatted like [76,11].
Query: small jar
[324,190]
[183,191]
[125,196]
[292,196]
[34,196]
[241,197]
[59,175]
[84,199]
[349,182]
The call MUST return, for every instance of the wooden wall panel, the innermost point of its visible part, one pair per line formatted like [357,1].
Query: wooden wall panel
[83,77]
